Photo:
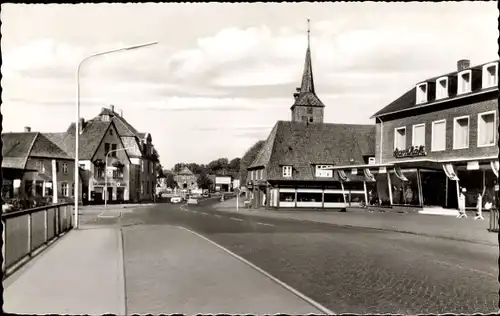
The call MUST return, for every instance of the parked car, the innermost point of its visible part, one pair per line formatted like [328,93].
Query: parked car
[192,200]
[176,199]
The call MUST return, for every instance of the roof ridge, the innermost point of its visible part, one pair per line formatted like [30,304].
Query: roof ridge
[30,148]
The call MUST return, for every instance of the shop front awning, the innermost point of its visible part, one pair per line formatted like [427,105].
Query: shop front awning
[350,167]
[368,174]
[342,175]
[399,173]
[450,173]
[495,167]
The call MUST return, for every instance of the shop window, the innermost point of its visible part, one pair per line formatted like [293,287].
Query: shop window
[48,189]
[400,138]
[438,135]
[334,198]
[418,135]
[309,197]
[461,132]
[287,196]
[28,188]
[38,188]
[405,192]
[486,129]
[65,168]
[442,88]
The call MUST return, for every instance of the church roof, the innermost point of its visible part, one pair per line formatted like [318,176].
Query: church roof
[307,93]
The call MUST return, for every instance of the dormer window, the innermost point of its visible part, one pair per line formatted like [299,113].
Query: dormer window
[422,93]
[490,75]
[442,88]
[464,82]
[287,171]
[105,118]
[324,171]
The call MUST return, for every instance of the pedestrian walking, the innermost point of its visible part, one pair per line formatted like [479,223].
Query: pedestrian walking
[461,204]
[479,207]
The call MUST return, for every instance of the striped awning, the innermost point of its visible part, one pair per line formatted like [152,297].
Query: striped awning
[450,173]
[368,175]
[342,175]
[495,167]
[399,173]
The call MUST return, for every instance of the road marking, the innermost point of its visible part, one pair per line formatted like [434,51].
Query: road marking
[217,215]
[264,224]
[236,219]
[283,284]
[203,213]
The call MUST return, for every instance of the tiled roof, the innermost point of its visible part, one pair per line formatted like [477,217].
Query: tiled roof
[408,100]
[303,145]
[90,138]
[185,172]
[44,146]
[16,149]
[307,94]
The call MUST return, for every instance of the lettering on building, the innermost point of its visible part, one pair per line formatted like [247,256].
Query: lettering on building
[413,151]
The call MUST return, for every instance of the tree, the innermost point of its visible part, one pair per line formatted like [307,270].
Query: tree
[248,158]
[234,165]
[159,171]
[218,165]
[170,180]
[178,167]
[204,181]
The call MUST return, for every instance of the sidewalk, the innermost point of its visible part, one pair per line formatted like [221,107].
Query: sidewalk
[429,225]
[82,273]
[168,270]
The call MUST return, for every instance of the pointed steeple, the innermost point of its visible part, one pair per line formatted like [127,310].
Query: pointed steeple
[307,76]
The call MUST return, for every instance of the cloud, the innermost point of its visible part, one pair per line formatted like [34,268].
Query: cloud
[190,104]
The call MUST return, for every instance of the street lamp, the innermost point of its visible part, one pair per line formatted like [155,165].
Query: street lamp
[77,132]
[106,174]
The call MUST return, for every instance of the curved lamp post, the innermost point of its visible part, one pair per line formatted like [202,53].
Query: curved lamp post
[106,174]
[77,131]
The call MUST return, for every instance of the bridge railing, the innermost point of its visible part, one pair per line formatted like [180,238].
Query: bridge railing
[27,232]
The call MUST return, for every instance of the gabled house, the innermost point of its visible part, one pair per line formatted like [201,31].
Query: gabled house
[294,166]
[186,179]
[34,166]
[140,149]
[99,141]
[438,137]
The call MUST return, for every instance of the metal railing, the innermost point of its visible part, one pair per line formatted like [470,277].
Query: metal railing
[494,225]
[27,232]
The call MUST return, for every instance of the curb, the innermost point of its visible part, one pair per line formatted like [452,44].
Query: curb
[121,275]
[248,263]
[369,227]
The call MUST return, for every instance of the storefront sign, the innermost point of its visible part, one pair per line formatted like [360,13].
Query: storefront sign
[354,171]
[413,151]
[473,165]
[496,187]
[382,170]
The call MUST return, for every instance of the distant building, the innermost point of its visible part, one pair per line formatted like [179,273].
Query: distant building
[186,179]
[437,137]
[35,166]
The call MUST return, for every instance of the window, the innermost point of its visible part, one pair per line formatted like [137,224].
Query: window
[100,172]
[142,187]
[82,166]
[65,168]
[486,129]
[464,80]
[64,189]
[309,111]
[72,189]
[442,88]
[461,132]
[113,149]
[490,75]
[142,165]
[371,160]
[438,135]
[400,138]
[287,171]
[321,172]
[422,93]
[111,131]
[106,148]
[105,118]
[418,137]
[40,166]
[48,188]
[304,118]
[152,168]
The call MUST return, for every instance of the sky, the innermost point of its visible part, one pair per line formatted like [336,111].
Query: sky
[222,74]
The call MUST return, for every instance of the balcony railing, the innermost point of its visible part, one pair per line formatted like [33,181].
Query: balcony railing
[27,232]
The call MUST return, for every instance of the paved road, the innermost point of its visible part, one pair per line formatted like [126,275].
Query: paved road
[348,270]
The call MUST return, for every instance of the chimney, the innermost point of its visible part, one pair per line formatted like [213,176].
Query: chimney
[121,113]
[27,129]
[112,108]
[81,125]
[463,64]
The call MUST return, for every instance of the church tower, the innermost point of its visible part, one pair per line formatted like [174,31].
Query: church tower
[307,107]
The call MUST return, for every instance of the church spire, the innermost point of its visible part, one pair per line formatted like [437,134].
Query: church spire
[307,76]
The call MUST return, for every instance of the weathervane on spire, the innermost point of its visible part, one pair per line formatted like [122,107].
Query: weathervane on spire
[308,33]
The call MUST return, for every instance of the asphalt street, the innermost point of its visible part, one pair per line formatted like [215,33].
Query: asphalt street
[346,269]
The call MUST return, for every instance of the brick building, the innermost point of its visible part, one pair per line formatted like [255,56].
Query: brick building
[436,138]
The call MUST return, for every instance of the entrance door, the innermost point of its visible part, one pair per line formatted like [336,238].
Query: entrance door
[110,194]
[434,188]
[120,194]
